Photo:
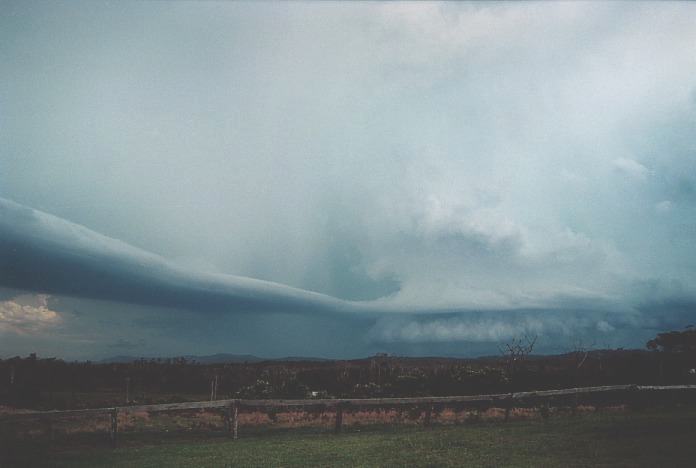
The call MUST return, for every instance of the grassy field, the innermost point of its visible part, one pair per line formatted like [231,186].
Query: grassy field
[649,438]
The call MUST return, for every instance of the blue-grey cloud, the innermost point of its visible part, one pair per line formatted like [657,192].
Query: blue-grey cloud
[380,166]
[41,252]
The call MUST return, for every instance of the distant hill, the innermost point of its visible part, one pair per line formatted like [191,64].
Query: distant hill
[221,358]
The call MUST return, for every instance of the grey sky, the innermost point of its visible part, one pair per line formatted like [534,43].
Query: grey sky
[443,175]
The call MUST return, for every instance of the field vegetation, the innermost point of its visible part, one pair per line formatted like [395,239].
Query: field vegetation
[34,383]
[622,429]
[650,438]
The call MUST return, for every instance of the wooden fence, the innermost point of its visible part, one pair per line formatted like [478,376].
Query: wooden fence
[231,408]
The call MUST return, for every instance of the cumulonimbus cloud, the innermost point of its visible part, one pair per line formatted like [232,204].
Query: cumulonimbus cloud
[48,255]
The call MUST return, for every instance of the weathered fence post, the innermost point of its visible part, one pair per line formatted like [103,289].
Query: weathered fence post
[545,409]
[508,407]
[576,403]
[339,418]
[113,429]
[227,414]
[235,420]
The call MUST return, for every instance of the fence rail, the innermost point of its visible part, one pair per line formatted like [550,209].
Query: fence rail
[232,407]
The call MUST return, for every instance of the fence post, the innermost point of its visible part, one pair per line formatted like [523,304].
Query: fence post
[545,409]
[114,425]
[235,420]
[508,407]
[339,418]
[576,402]
[227,415]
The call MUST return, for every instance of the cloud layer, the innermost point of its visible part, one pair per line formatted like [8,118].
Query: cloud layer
[43,253]
[523,166]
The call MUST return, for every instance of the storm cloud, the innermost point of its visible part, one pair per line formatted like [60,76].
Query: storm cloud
[386,176]
[42,253]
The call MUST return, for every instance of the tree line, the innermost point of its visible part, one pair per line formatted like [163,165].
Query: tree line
[48,383]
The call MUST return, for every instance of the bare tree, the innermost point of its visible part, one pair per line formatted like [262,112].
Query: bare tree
[517,350]
[581,352]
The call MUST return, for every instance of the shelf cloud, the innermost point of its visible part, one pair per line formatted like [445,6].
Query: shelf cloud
[43,253]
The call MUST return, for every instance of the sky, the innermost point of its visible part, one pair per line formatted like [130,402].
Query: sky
[338,179]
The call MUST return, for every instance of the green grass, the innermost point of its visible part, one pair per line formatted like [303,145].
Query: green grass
[652,438]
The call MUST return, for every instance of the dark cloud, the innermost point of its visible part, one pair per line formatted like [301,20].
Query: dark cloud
[42,253]
[443,175]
